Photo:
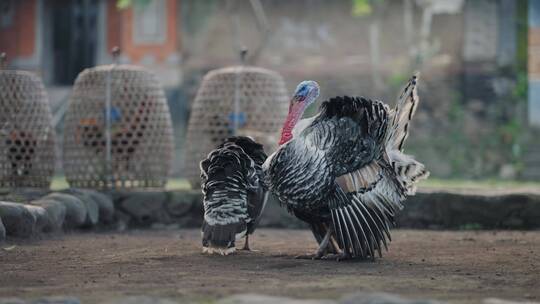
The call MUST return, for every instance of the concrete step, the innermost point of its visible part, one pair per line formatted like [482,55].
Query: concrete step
[531,159]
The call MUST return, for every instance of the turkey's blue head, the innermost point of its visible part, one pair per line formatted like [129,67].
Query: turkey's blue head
[305,94]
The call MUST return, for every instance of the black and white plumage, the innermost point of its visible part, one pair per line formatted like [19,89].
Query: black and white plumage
[234,194]
[343,171]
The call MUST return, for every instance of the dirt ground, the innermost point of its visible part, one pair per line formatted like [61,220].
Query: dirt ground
[460,266]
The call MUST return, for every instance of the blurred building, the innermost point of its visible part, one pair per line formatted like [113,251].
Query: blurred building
[534,62]
[480,79]
[59,38]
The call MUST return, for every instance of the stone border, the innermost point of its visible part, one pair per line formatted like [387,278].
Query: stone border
[429,209]
[26,213]
[489,209]
[356,298]
[31,213]
[353,298]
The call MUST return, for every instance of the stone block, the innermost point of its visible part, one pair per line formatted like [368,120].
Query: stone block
[18,221]
[277,216]
[11,301]
[380,298]
[56,212]
[76,210]
[140,300]
[40,215]
[443,209]
[264,299]
[2,231]
[56,300]
[104,202]
[180,203]
[185,208]
[143,207]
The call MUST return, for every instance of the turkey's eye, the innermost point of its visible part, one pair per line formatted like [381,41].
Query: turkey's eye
[302,91]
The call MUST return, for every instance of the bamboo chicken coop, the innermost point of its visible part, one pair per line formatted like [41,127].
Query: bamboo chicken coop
[118,132]
[239,100]
[27,137]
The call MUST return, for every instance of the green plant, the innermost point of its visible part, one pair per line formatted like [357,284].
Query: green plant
[456,144]
[123,4]
[361,8]
[396,80]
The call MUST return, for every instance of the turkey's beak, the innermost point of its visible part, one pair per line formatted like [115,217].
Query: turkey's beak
[297,99]
[296,104]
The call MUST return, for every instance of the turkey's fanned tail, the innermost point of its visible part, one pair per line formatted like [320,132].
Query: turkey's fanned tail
[401,115]
[233,193]
[408,170]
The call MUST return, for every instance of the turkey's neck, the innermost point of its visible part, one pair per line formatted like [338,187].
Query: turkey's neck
[295,113]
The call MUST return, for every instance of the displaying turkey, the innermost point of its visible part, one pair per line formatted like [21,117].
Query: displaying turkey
[234,194]
[343,171]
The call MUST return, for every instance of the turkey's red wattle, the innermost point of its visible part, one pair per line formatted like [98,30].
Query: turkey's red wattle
[286,133]
[295,112]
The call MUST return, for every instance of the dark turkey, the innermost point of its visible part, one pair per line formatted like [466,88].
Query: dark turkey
[343,171]
[234,194]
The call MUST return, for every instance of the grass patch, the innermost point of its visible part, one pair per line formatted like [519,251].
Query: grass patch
[59,183]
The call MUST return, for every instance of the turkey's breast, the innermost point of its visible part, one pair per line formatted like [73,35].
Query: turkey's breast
[299,175]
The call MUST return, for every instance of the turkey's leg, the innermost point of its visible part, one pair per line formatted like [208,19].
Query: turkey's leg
[334,243]
[246,243]
[322,247]
[324,243]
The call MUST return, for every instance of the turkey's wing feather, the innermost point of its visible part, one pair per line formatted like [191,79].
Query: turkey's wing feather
[361,180]
[362,212]
[370,115]
[341,142]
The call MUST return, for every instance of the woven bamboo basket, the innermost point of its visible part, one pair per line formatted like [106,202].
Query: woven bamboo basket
[141,134]
[27,137]
[262,107]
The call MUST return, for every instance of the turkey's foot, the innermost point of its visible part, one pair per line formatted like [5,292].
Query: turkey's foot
[250,250]
[247,247]
[323,247]
[218,250]
[313,256]
[337,257]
